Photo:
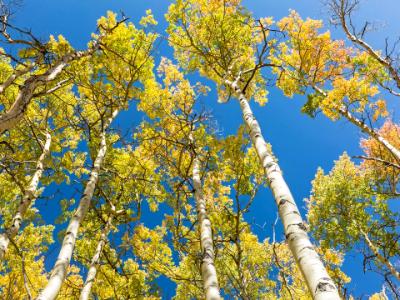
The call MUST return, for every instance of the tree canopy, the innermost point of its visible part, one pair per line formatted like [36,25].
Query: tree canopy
[117,180]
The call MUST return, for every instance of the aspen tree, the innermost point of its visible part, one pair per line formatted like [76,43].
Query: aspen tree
[35,73]
[102,100]
[60,126]
[345,82]
[176,120]
[91,275]
[29,195]
[352,201]
[41,131]
[208,271]
[221,39]
[58,273]
[129,182]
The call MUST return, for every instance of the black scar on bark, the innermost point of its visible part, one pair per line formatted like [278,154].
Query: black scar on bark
[325,286]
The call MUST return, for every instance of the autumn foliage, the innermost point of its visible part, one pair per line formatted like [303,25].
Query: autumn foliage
[63,142]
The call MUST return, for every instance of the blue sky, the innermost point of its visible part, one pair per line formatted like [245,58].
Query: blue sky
[301,144]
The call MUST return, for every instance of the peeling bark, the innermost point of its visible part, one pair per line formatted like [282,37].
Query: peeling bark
[59,271]
[30,194]
[319,283]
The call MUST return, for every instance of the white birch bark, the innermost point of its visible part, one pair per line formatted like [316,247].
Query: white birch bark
[59,271]
[87,286]
[208,271]
[30,194]
[319,283]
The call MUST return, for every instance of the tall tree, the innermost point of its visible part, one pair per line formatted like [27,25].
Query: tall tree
[42,131]
[102,101]
[39,68]
[342,14]
[29,194]
[129,183]
[349,208]
[227,45]
[172,109]
[344,82]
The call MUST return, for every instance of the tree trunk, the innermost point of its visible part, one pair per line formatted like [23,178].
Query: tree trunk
[208,272]
[358,41]
[30,194]
[11,118]
[10,80]
[380,257]
[59,271]
[85,293]
[365,128]
[319,283]
[372,133]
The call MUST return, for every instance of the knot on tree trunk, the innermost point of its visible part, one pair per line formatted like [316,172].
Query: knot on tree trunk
[325,285]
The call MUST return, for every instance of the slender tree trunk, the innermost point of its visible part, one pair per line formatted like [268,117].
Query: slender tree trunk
[319,283]
[364,127]
[372,133]
[208,272]
[59,271]
[380,257]
[11,118]
[384,61]
[30,194]
[85,293]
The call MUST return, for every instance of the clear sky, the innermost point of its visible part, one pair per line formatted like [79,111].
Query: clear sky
[301,144]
